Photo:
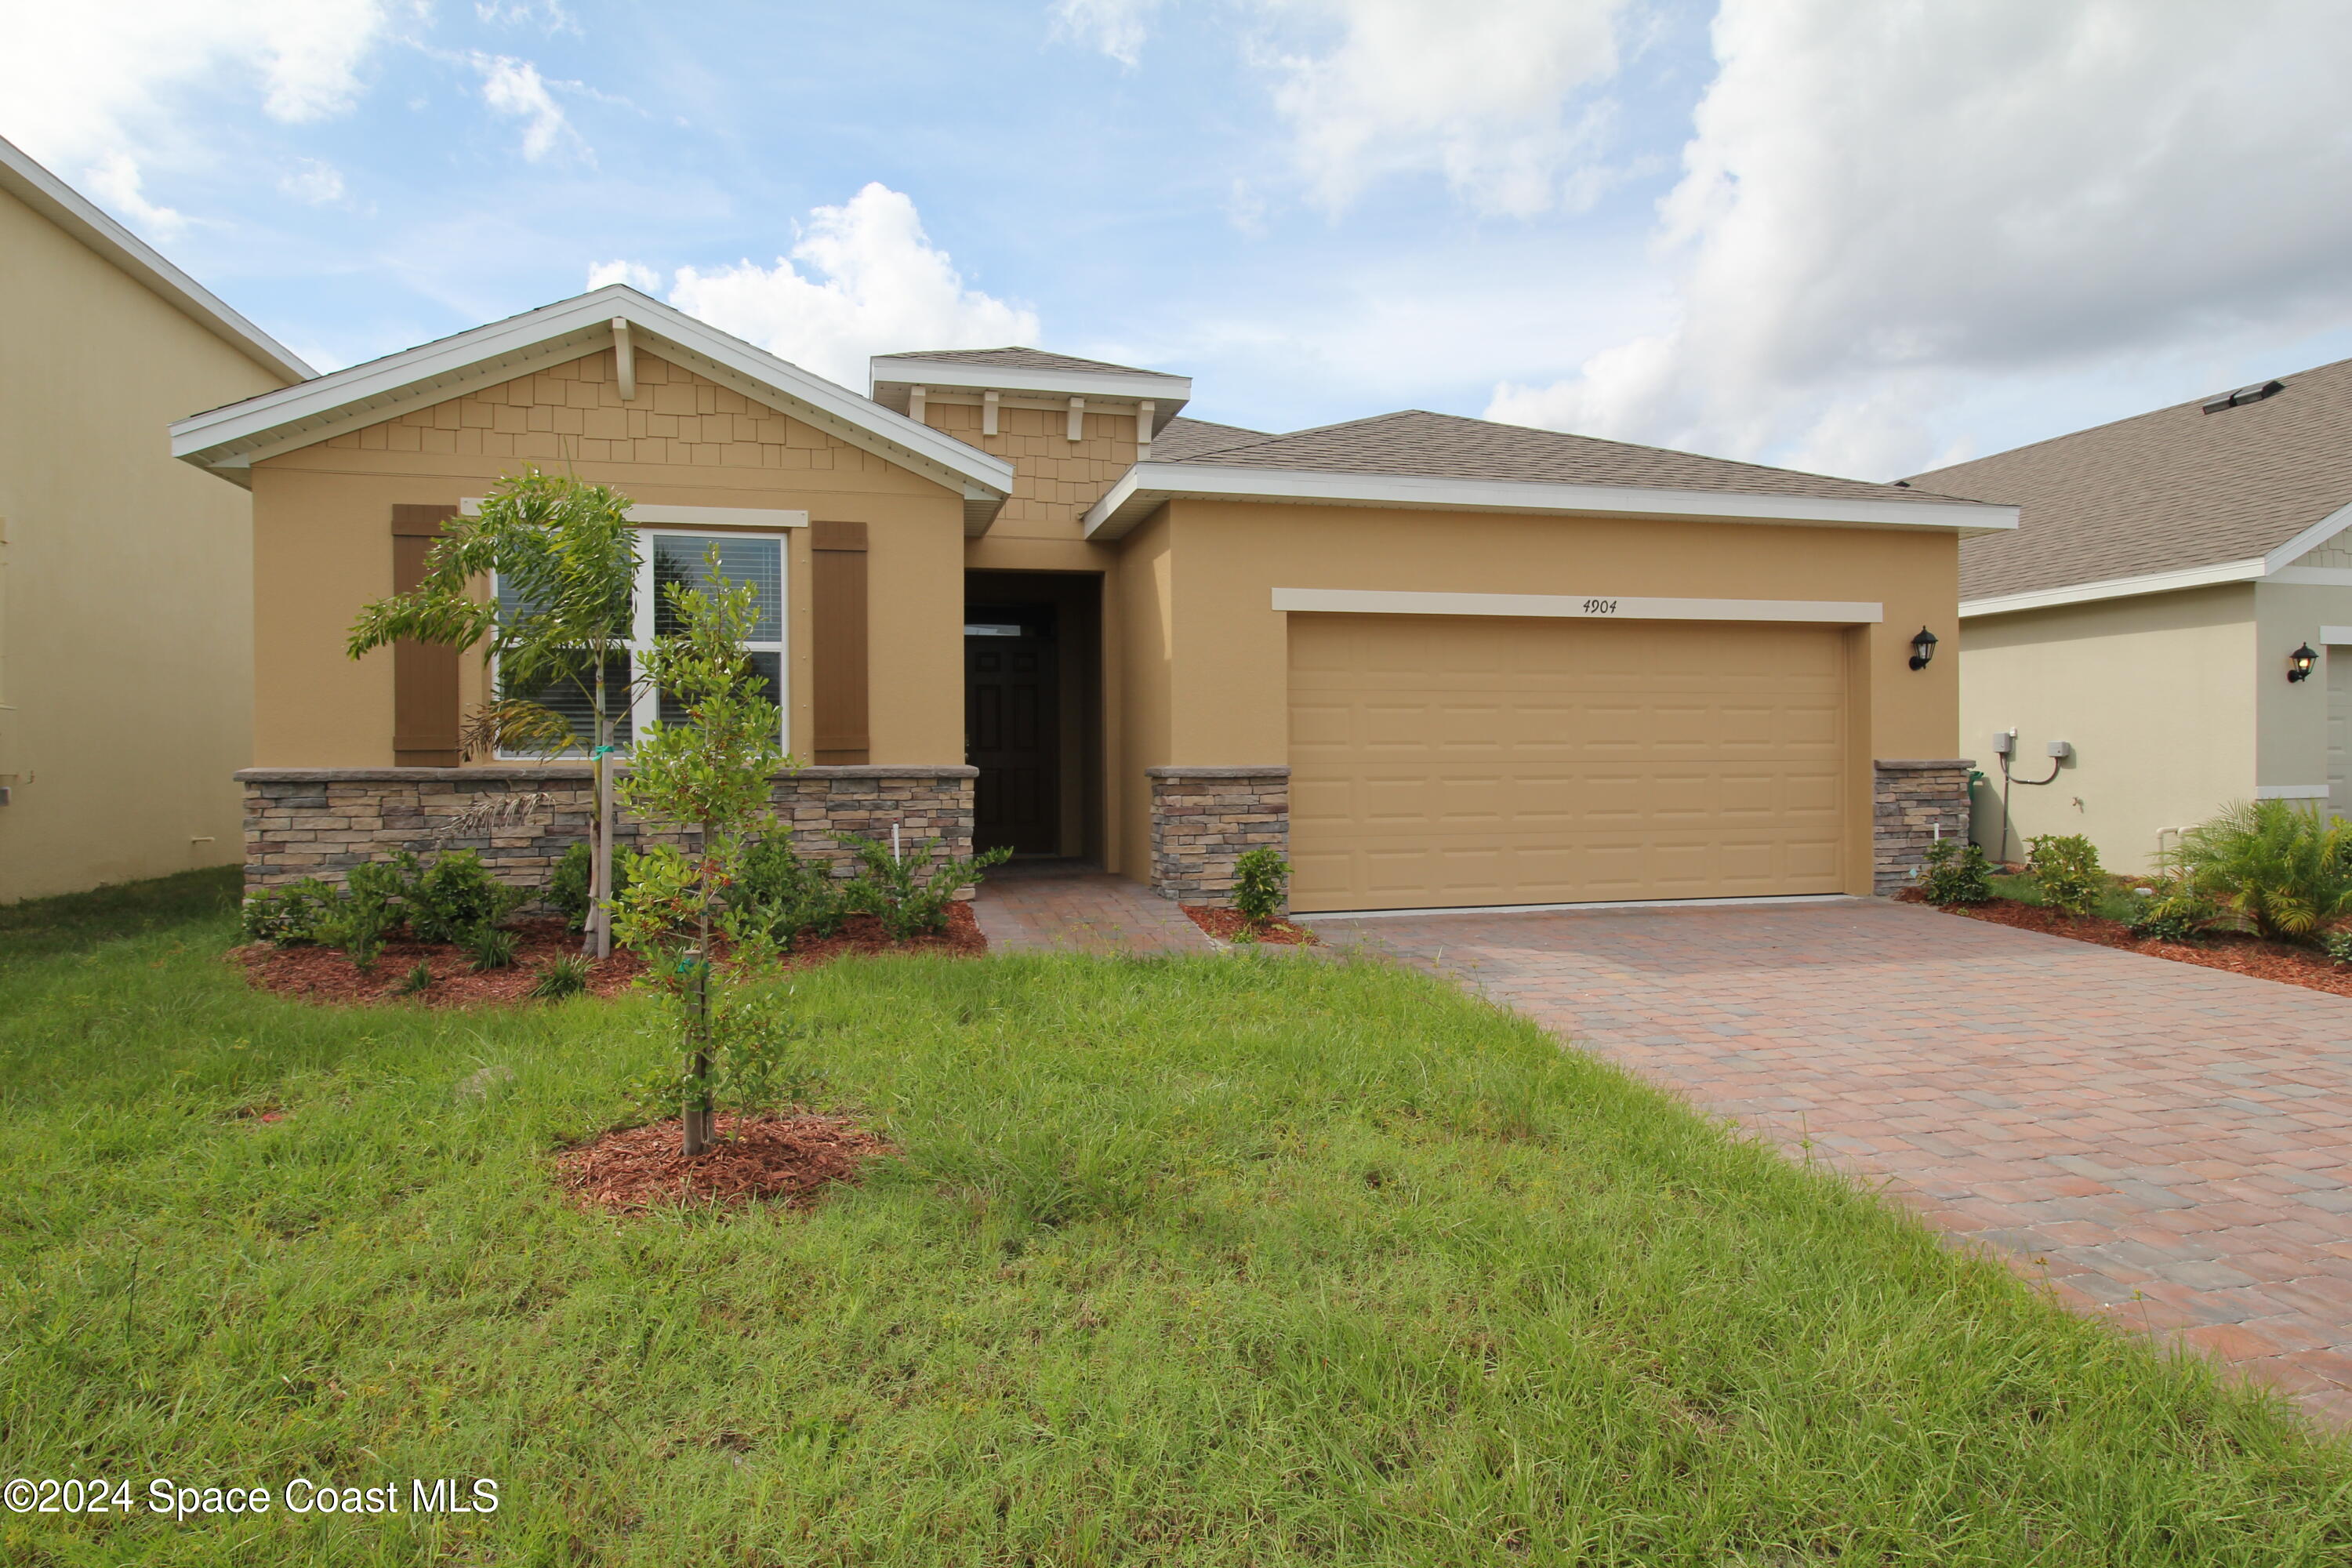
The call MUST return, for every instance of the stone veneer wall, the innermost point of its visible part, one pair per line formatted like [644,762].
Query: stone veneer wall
[1911,802]
[1203,819]
[320,822]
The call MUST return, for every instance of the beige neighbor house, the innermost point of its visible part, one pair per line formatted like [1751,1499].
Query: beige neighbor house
[126,600]
[2152,617]
[1017,598]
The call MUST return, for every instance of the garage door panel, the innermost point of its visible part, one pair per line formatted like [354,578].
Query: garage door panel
[1439,761]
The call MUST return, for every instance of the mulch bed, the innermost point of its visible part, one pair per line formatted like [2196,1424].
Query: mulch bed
[325,975]
[2233,951]
[783,1159]
[1227,924]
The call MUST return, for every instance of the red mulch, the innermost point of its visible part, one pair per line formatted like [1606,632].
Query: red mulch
[325,975]
[1227,924]
[2233,951]
[784,1158]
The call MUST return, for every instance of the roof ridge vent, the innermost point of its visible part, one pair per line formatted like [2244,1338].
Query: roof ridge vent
[2243,395]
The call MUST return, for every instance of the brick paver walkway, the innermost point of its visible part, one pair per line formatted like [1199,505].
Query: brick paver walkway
[2174,1141]
[1031,906]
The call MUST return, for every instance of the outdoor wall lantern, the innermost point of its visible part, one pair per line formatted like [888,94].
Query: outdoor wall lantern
[2299,663]
[1923,649]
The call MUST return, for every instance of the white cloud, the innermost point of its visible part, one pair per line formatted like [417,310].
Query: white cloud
[642,278]
[313,180]
[1483,95]
[864,280]
[1117,28]
[548,16]
[80,82]
[116,180]
[515,89]
[1884,209]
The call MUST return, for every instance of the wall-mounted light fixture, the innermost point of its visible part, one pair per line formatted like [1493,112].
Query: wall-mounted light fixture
[1923,649]
[2299,663]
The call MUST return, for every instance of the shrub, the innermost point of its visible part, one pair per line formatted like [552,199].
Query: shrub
[488,948]
[564,976]
[358,926]
[791,895]
[567,885]
[905,890]
[2273,864]
[1261,878]
[1957,873]
[291,916]
[2066,868]
[2339,945]
[2171,911]
[418,981]
[456,898]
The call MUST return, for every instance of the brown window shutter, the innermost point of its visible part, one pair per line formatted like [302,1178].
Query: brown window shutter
[423,675]
[837,595]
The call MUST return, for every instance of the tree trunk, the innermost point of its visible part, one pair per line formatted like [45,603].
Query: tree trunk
[697,1118]
[597,941]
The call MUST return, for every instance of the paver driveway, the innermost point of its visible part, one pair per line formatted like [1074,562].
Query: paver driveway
[2174,1141]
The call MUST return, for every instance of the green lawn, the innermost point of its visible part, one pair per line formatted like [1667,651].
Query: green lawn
[1235,1261]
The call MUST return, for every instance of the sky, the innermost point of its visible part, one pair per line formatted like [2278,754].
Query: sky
[1860,237]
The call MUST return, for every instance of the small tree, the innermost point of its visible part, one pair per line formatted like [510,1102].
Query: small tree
[711,773]
[566,560]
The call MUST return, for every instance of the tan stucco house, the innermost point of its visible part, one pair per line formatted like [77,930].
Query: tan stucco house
[2148,616]
[126,598]
[1019,598]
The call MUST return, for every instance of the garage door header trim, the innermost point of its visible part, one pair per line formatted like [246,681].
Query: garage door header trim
[1577,607]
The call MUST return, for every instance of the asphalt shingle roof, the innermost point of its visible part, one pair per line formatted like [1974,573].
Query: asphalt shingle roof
[2170,490]
[1180,440]
[1446,445]
[1021,358]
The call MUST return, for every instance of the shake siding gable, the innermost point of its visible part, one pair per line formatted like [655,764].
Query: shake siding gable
[1055,480]
[574,413]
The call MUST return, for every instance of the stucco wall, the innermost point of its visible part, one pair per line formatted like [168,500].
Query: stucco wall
[1207,673]
[2291,717]
[323,545]
[125,599]
[2158,695]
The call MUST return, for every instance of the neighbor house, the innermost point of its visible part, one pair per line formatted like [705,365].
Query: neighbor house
[2174,616]
[1016,598]
[126,595]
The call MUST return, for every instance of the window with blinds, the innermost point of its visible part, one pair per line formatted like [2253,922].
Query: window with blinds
[665,558]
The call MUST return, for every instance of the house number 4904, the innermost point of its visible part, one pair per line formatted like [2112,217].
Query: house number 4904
[1599,607]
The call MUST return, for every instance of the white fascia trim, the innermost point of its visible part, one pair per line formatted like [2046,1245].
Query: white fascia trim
[2290,792]
[2274,567]
[886,370]
[688,516]
[1147,485]
[63,206]
[242,433]
[2114,588]
[2310,539]
[1575,606]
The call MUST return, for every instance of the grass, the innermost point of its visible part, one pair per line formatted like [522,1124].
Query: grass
[1234,1260]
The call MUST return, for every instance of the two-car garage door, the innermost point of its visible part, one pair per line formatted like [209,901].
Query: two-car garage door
[1438,762]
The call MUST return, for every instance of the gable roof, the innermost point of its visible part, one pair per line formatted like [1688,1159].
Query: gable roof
[1418,458]
[66,208]
[2161,501]
[891,379]
[1182,439]
[230,440]
[1016,358]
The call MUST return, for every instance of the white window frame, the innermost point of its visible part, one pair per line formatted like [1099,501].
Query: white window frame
[645,707]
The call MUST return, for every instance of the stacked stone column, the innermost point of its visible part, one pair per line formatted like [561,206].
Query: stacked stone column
[1204,820]
[1912,805]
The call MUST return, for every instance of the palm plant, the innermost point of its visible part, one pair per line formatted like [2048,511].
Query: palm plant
[2284,869]
[565,557]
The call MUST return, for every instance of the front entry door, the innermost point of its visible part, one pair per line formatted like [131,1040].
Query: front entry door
[1011,701]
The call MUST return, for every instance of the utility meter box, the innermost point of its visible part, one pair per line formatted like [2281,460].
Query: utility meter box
[2061,750]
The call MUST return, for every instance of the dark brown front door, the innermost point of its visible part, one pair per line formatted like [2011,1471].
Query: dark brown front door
[1012,699]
